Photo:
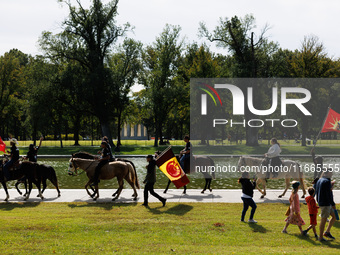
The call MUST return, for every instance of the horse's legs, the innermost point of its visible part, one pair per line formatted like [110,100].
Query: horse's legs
[26,191]
[55,183]
[29,190]
[205,186]
[121,183]
[44,186]
[263,182]
[86,185]
[17,187]
[5,188]
[167,187]
[96,192]
[37,183]
[286,188]
[210,189]
[303,187]
[132,184]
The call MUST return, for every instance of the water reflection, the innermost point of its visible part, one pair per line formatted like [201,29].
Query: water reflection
[223,181]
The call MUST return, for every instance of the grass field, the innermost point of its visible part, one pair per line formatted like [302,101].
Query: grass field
[191,228]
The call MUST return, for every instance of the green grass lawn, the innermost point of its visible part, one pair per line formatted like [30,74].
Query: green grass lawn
[135,147]
[190,228]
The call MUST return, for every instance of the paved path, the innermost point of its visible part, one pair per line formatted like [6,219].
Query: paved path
[173,195]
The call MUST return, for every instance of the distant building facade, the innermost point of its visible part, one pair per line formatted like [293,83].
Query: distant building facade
[134,132]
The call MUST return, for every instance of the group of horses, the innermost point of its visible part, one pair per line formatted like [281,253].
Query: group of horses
[31,173]
[34,173]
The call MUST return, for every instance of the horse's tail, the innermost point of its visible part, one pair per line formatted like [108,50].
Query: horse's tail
[212,163]
[134,175]
[53,176]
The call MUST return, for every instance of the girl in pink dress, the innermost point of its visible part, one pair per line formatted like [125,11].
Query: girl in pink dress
[294,214]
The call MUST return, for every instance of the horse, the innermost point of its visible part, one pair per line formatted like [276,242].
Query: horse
[113,169]
[133,174]
[27,170]
[202,161]
[291,169]
[46,173]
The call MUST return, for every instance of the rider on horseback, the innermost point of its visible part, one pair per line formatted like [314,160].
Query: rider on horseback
[106,157]
[272,158]
[14,157]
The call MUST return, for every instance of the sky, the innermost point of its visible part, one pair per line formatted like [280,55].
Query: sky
[22,21]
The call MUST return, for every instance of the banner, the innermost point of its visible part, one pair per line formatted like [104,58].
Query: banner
[169,165]
[332,122]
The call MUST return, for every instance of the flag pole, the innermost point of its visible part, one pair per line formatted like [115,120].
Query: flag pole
[323,123]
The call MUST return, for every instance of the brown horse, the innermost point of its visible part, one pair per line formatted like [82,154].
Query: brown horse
[86,155]
[27,170]
[121,170]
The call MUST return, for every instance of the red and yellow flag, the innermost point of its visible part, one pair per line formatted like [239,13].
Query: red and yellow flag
[169,165]
[2,146]
[332,122]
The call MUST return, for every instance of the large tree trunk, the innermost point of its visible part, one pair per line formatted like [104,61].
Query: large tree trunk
[105,126]
[76,130]
[34,134]
[119,129]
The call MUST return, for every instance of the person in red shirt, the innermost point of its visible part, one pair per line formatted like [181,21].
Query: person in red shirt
[313,212]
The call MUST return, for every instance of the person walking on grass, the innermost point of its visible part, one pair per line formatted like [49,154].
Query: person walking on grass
[247,197]
[324,196]
[313,212]
[294,209]
[150,180]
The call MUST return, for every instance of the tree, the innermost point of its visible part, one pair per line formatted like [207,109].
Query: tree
[161,61]
[251,55]
[87,37]
[312,61]
[11,87]
[124,65]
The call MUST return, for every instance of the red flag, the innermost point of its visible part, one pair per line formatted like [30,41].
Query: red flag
[332,122]
[168,164]
[2,146]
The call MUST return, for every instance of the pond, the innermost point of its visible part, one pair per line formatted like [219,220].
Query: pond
[196,180]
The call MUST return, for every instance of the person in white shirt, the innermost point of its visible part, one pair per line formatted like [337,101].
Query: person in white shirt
[273,158]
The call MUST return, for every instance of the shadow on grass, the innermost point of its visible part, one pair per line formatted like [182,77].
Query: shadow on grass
[107,206]
[312,240]
[10,206]
[179,210]
[336,224]
[258,228]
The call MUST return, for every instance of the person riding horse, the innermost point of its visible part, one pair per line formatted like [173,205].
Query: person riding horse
[106,157]
[14,157]
[32,154]
[272,158]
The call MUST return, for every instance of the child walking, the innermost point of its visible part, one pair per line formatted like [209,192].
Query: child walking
[294,209]
[313,212]
[247,196]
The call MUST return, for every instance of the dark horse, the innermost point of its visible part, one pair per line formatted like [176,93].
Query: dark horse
[46,172]
[85,155]
[27,170]
[202,161]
